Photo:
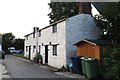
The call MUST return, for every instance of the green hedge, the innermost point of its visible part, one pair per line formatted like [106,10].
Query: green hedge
[19,55]
[110,63]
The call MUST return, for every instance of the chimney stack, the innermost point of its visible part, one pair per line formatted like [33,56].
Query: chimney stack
[85,7]
[35,29]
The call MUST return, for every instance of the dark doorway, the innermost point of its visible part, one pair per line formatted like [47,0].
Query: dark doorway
[29,52]
[46,54]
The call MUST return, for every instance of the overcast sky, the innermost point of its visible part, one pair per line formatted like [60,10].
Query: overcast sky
[20,16]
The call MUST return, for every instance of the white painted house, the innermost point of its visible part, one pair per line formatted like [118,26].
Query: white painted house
[55,42]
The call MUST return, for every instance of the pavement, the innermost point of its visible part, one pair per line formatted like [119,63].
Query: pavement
[3,71]
[23,68]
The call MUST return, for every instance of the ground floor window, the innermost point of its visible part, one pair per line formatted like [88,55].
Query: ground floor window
[55,50]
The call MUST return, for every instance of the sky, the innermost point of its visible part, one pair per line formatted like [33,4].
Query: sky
[20,16]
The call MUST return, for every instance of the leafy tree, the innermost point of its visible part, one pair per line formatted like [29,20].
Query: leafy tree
[110,63]
[7,40]
[61,10]
[109,22]
[18,44]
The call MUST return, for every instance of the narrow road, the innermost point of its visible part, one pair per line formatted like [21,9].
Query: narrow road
[22,69]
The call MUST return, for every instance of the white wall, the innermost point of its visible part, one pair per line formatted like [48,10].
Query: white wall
[55,38]
[79,27]
[30,42]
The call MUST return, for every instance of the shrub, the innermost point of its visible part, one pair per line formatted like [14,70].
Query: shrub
[110,63]
[62,69]
[37,58]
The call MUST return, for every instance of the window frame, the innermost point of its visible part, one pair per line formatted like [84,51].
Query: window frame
[54,28]
[54,50]
[26,37]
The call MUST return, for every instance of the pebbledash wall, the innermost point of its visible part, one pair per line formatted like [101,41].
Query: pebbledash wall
[69,31]
[30,42]
[79,27]
[58,38]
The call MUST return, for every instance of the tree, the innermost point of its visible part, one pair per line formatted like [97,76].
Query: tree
[19,44]
[110,63]
[61,10]
[7,40]
[109,22]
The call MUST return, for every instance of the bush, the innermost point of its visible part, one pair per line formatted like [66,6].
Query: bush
[37,58]
[110,63]
[62,69]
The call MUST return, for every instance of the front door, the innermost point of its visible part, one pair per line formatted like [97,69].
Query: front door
[46,54]
[29,52]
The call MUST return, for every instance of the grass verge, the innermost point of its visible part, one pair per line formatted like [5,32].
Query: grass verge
[19,55]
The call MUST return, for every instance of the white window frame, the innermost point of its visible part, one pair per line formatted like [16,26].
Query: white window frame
[55,50]
[54,28]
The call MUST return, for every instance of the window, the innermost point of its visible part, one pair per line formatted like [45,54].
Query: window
[39,33]
[26,37]
[26,48]
[54,28]
[55,50]
[34,35]
[34,47]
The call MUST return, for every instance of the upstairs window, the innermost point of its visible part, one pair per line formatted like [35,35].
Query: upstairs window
[55,50]
[54,28]
[26,37]
[39,33]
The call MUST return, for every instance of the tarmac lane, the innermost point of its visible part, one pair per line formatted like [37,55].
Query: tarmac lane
[18,68]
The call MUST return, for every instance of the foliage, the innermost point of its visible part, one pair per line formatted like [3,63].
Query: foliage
[110,63]
[19,55]
[61,10]
[37,57]
[7,40]
[109,22]
[62,69]
[18,44]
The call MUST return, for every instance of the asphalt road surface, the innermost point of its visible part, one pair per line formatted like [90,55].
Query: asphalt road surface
[18,68]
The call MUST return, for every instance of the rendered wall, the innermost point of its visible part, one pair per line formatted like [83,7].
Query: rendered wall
[79,27]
